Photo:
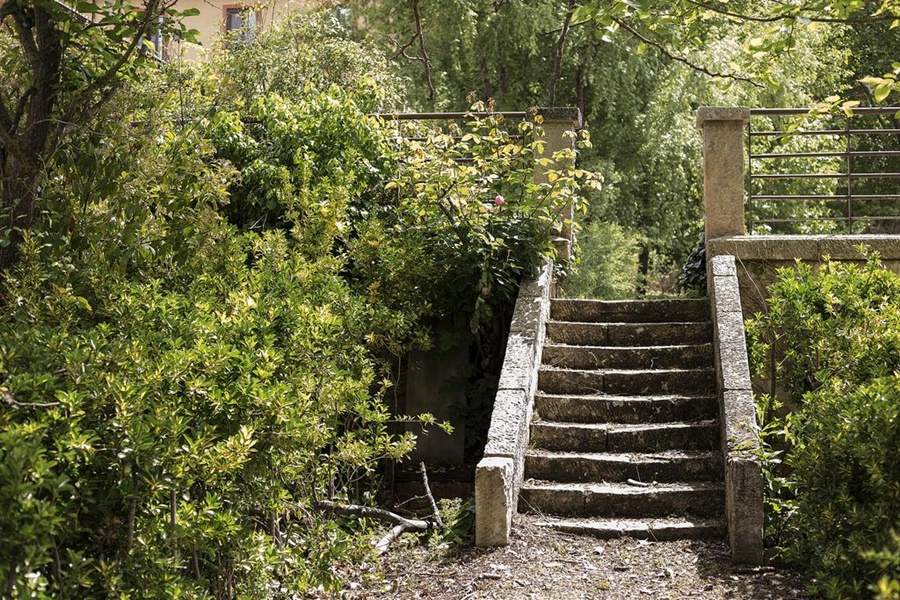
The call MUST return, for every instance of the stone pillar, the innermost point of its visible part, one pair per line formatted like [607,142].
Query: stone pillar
[559,125]
[723,169]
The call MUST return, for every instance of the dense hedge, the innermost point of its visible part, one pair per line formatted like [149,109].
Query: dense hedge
[834,494]
[196,342]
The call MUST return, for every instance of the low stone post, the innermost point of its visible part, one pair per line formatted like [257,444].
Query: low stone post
[559,125]
[723,169]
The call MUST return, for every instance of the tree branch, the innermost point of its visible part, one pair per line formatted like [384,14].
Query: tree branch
[427,62]
[434,509]
[677,57]
[357,510]
[23,30]
[82,102]
[6,120]
[795,13]
[8,398]
[560,45]
[381,546]
[20,109]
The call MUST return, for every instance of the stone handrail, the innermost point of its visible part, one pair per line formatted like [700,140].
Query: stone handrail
[737,415]
[498,476]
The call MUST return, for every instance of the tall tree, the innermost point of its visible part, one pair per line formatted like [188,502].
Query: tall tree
[60,66]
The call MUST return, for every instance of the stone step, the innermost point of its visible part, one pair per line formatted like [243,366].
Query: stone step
[627,382]
[653,437]
[629,311]
[697,499]
[628,334]
[662,467]
[624,409]
[628,357]
[658,530]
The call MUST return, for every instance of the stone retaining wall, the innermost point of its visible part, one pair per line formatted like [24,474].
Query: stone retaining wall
[498,476]
[758,257]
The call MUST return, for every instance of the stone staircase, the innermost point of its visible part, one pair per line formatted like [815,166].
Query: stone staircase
[625,437]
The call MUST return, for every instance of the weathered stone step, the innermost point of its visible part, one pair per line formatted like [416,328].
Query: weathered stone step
[646,529]
[628,334]
[629,311]
[653,437]
[698,499]
[663,467]
[628,357]
[624,409]
[631,382]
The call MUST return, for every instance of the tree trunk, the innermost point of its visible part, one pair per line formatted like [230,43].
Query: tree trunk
[643,271]
[20,182]
[29,146]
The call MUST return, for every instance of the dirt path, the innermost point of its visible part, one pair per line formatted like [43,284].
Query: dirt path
[543,564]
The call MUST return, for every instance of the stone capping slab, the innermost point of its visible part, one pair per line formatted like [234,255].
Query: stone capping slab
[774,248]
[722,113]
[740,436]
[567,114]
[498,476]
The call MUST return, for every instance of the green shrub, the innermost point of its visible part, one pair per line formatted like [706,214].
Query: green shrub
[173,439]
[192,341]
[834,497]
[176,392]
[607,263]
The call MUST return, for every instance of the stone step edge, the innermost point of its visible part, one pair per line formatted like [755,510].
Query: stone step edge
[627,323]
[636,301]
[627,457]
[606,348]
[704,371]
[624,489]
[653,529]
[630,427]
[625,398]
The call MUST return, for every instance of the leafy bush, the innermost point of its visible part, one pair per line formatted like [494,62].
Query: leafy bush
[468,196]
[192,341]
[607,263]
[835,336]
[173,439]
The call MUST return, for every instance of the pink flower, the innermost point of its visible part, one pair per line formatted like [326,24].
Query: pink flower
[498,200]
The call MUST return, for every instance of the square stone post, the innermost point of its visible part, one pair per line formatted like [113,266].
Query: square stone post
[723,169]
[558,125]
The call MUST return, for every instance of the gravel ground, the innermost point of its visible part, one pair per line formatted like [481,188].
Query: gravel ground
[543,564]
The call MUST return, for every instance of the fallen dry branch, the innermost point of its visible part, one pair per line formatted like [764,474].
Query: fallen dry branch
[401,523]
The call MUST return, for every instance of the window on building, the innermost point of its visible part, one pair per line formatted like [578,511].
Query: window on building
[242,19]
[153,42]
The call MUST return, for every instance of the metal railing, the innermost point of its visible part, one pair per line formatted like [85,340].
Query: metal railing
[833,177]
[445,118]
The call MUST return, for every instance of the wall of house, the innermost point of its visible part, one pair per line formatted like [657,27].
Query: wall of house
[211,20]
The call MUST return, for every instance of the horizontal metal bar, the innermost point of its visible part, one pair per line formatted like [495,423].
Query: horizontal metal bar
[796,197]
[810,219]
[798,220]
[837,153]
[780,132]
[844,198]
[451,116]
[798,155]
[825,132]
[826,176]
[861,110]
[799,176]
[458,138]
